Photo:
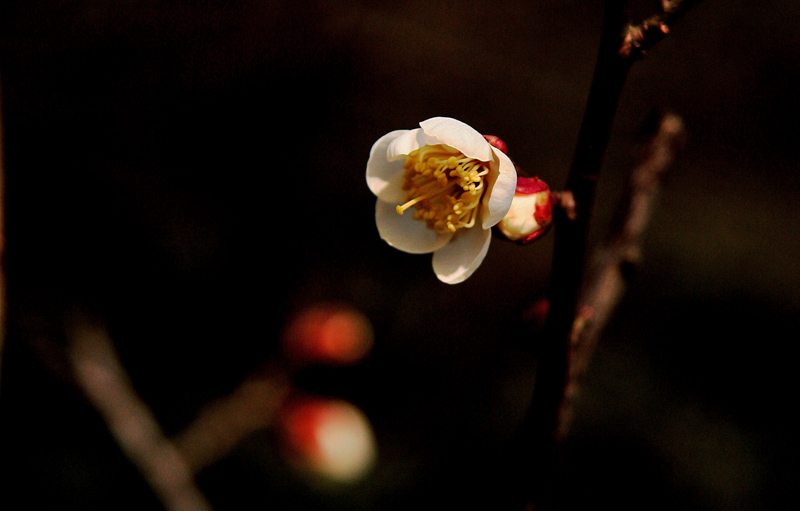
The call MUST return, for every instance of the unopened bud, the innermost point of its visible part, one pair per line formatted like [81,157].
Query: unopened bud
[496,142]
[329,439]
[328,334]
[536,314]
[531,211]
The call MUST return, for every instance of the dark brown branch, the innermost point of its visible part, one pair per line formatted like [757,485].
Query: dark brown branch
[605,282]
[100,374]
[539,433]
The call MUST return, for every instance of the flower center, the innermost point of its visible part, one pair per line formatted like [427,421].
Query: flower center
[444,186]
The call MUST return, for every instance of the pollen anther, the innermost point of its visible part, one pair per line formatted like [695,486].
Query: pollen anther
[444,186]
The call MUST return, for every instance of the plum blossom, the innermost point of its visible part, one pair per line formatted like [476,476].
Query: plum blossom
[441,188]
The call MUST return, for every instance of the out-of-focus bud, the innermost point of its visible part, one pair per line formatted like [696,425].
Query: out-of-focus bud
[536,314]
[329,334]
[329,439]
[531,211]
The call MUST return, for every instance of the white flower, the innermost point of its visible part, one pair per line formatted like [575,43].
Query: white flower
[458,184]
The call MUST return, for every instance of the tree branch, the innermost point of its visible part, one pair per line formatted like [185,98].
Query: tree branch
[605,284]
[537,433]
[640,38]
[100,374]
[540,431]
[226,422]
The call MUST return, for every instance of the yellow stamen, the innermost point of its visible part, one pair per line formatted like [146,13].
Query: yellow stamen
[444,186]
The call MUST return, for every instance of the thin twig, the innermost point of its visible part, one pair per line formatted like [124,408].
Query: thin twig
[102,377]
[640,38]
[225,423]
[605,283]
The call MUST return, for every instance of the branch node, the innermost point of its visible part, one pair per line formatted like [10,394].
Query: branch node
[565,200]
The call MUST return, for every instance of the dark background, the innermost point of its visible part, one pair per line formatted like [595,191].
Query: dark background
[193,174]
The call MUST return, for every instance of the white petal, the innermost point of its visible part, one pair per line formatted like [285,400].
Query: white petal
[407,142]
[500,185]
[457,260]
[385,177]
[406,234]
[458,135]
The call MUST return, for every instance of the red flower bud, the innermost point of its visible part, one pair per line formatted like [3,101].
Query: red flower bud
[531,211]
[496,142]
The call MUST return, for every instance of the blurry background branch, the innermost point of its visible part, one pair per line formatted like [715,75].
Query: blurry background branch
[100,374]
[223,424]
[328,438]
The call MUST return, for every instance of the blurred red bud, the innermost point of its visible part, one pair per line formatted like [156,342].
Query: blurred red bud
[328,333]
[329,439]
[536,314]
